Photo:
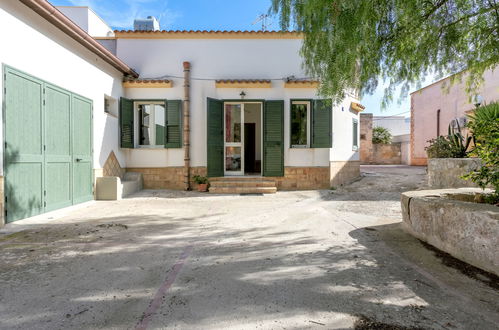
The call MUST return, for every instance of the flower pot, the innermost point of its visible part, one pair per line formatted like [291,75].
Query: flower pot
[202,187]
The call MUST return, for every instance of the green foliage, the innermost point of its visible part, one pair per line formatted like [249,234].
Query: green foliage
[485,127]
[381,135]
[200,179]
[353,44]
[453,145]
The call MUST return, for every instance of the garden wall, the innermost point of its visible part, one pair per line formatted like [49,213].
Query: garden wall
[447,172]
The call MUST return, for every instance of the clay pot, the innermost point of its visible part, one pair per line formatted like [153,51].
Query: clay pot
[203,187]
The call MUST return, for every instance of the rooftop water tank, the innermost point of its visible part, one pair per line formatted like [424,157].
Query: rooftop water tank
[146,24]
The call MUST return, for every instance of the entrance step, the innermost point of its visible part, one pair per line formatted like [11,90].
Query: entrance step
[242,185]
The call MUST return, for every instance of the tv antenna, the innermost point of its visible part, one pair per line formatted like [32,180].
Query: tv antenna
[262,18]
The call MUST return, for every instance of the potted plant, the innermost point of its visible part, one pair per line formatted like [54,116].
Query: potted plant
[202,183]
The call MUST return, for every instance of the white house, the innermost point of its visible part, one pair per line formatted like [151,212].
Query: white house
[81,101]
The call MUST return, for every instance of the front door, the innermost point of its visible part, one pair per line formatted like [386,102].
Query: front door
[234,139]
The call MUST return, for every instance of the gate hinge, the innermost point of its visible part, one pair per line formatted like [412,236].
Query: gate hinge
[44,147]
[44,204]
[44,193]
[6,213]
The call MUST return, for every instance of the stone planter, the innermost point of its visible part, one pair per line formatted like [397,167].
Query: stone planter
[447,172]
[450,220]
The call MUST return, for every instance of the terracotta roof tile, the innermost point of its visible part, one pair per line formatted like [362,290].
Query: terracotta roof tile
[243,81]
[147,81]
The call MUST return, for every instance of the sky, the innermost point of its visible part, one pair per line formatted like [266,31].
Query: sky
[208,15]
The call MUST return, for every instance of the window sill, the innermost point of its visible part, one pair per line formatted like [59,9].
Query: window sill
[151,147]
[299,147]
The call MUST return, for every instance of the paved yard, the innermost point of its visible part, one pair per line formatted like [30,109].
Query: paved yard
[293,260]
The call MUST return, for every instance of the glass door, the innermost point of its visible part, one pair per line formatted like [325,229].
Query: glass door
[234,139]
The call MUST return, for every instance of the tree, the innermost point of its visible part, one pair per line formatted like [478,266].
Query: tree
[381,135]
[352,44]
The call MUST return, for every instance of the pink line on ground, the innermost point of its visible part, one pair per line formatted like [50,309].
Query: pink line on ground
[158,297]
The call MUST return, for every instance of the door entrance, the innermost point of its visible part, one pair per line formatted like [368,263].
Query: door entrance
[242,138]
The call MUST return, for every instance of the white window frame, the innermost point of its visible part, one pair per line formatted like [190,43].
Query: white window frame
[355,121]
[153,120]
[308,104]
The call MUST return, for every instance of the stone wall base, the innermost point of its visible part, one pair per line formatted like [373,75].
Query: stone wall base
[295,178]
[342,172]
[166,177]
[303,178]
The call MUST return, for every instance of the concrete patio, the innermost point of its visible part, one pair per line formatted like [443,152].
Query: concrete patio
[186,260]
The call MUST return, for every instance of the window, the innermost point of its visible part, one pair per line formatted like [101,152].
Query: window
[151,123]
[355,129]
[300,124]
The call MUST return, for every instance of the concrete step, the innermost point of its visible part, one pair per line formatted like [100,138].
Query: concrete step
[242,183]
[242,190]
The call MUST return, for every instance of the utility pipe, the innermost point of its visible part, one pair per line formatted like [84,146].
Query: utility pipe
[187,130]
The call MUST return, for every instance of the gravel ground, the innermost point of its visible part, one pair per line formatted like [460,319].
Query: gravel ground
[329,259]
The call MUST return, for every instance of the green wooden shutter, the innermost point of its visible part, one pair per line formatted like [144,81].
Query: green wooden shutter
[321,124]
[173,124]
[215,138]
[273,138]
[126,123]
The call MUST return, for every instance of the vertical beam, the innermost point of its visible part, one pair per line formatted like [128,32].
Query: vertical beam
[186,112]
[438,122]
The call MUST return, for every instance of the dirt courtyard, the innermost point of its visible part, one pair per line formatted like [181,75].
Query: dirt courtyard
[328,259]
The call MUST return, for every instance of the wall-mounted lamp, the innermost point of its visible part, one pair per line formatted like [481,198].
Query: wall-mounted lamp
[242,94]
[477,100]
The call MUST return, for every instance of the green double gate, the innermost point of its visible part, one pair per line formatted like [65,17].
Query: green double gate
[48,146]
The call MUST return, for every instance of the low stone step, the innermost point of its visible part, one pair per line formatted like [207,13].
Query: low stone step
[242,183]
[242,190]
[239,178]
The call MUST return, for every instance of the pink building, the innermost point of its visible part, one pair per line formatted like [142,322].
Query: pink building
[433,109]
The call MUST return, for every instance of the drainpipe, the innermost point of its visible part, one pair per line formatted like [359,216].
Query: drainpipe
[187,130]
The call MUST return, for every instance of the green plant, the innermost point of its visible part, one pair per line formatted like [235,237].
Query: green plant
[200,179]
[453,145]
[354,44]
[484,124]
[381,135]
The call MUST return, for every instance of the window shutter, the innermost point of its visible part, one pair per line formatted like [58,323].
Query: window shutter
[215,138]
[173,124]
[321,124]
[126,123]
[273,138]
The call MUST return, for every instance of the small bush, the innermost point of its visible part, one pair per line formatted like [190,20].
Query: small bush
[453,145]
[484,124]
[200,179]
[381,136]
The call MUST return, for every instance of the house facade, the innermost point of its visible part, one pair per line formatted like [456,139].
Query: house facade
[81,101]
[436,106]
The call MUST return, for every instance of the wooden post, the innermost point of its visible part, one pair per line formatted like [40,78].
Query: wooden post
[186,139]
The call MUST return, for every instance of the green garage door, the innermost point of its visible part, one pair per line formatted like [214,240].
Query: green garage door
[48,153]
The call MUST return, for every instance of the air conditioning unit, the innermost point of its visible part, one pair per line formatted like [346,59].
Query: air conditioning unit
[459,122]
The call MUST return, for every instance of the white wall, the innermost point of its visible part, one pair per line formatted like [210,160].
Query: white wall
[228,59]
[31,44]
[396,125]
[343,118]
[87,19]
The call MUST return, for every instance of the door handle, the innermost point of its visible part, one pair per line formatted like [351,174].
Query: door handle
[79,159]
